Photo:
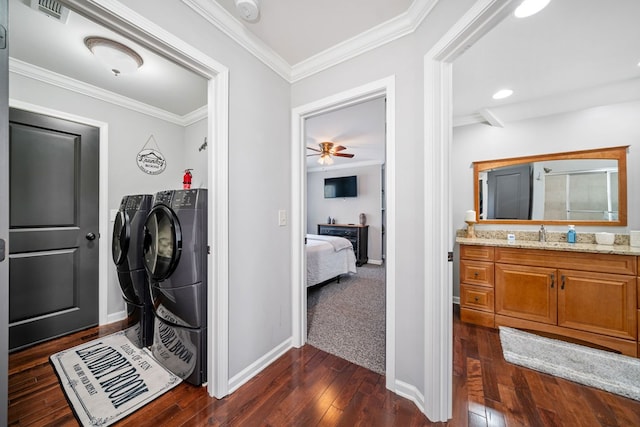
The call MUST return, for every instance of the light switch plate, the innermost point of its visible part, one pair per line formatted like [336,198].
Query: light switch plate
[282,218]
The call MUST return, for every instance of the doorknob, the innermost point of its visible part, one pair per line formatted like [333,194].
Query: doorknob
[90,236]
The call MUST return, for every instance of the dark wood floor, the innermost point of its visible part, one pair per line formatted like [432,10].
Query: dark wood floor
[307,387]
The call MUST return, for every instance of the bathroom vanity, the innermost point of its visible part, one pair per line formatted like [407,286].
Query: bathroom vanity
[580,292]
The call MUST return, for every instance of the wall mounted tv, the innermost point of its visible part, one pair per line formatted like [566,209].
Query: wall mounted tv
[344,186]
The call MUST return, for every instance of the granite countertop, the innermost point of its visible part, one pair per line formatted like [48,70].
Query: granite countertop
[552,246]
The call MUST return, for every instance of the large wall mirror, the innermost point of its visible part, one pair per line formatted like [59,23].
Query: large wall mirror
[587,187]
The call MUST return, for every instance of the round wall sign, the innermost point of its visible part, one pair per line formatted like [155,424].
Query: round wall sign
[151,161]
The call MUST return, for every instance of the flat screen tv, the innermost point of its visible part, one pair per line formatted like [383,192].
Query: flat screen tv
[344,186]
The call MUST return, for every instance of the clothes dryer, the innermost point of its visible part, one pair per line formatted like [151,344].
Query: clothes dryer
[127,251]
[175,257]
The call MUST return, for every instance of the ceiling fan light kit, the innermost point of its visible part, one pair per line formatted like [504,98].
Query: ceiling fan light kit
[327,151]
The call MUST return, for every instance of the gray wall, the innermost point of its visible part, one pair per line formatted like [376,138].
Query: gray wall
[404,59]
[347,210]
[259,134]
[607,126]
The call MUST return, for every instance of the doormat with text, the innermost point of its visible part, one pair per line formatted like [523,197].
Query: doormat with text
[108,378]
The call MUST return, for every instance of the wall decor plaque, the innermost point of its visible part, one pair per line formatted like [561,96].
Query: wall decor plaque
[151,160]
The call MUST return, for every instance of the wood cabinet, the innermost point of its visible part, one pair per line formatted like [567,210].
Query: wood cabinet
[476,287]
[358,235]
[585,297]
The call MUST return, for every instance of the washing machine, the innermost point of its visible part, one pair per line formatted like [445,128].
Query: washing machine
[127,250]
[175,257]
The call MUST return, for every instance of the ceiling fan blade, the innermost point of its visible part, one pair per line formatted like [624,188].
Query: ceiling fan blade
[309,155]
[339,148]
[314,149]
[343,155]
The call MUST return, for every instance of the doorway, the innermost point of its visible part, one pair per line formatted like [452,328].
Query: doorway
[377,89]
[346,316]
[140,30]
[53,266]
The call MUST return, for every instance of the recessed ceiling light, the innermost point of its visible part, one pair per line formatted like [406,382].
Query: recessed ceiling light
[530,7]
[503,93]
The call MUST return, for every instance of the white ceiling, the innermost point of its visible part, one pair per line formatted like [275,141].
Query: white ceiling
[574,54]
[38,40]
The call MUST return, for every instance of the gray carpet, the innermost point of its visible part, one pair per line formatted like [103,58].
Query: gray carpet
[347,319]
[596,368]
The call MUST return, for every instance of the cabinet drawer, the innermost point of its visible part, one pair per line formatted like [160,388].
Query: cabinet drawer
[338,231]
[477,297]
[476,272]
[480,253]
[601,263]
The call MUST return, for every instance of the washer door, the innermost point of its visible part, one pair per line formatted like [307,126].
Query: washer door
[162,242]
[121,237]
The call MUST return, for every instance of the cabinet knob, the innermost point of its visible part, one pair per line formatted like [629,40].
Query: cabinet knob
[475,274]
[477,299]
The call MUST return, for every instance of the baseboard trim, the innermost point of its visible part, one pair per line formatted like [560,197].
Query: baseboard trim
[456,300]
[117,316]
[374,261]
[410,392]
[256,367]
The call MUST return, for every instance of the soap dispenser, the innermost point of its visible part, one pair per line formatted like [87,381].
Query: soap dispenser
[571,234]
[542,234]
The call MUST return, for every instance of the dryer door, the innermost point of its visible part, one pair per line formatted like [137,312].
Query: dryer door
[162,243]
[121,236]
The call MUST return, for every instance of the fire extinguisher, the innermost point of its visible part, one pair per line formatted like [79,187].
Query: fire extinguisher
[186,179]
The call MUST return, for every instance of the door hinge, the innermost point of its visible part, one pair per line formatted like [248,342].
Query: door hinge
[3,37]
[449,256]
[1,250]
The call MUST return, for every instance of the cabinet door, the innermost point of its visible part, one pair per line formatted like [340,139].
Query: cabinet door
[526,292]
[598,302]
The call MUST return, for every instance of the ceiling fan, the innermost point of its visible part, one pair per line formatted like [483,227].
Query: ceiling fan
[327,150]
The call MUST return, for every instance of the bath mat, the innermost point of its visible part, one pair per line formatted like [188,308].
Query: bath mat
[108,378]
[608,371]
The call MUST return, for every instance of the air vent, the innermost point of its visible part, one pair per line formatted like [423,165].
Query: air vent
[52,9]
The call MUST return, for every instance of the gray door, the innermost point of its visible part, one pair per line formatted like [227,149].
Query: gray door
[53,227]
[509,193]
[4,211]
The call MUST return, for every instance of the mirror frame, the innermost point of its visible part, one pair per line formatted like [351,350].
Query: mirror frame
[612,153]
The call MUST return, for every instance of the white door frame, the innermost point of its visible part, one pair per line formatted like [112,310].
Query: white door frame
[137,28]
[383,87]
[438,238]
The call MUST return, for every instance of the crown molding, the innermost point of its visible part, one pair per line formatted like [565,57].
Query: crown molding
[225,22]
[377,36]
[49,77]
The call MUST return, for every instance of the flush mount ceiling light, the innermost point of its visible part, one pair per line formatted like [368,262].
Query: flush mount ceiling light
[249,9]
[530,7]
[120,59]
[503,93]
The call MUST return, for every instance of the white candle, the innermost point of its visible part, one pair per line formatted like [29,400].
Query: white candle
[470,216]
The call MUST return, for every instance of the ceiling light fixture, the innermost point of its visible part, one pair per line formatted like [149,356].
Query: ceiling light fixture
[503,93]
[530,7]
[120,59]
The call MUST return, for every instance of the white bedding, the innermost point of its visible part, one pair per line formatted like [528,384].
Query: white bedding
[328,257]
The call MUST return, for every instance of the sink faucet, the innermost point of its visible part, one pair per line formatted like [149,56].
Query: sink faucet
[542,234]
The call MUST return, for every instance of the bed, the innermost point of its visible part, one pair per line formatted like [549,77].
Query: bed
[328,257]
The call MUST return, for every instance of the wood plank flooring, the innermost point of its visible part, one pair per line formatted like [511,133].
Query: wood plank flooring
[308,387]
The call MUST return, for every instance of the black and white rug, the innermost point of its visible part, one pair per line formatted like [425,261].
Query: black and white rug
[108,378]
[608,371]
